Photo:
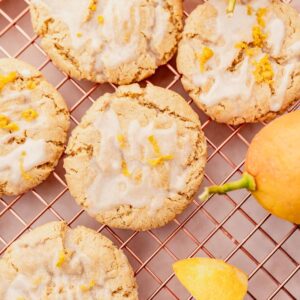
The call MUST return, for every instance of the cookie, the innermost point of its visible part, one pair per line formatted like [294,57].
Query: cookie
[55,262]
[117,41]
[34,121]
[245,67]
[136,159]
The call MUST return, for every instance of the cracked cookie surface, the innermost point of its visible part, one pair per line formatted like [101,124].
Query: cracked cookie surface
[137,158]
[245,67]
[117,41]
[64,263]
[34,120]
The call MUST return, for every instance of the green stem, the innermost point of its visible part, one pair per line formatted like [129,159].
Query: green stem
[231,6]
[246,182]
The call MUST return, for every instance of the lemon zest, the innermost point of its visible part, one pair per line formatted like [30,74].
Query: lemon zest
[121,140]
[263,72]
[5,79]
[29,114]
[79,34]
[258,36]
[100,20]
[24,174]
[260,14]
[159,160]
[241,45]
[125,170]
[249,10]
[85,288]
[154,144]
[204,57]
[4,121]
[12,127]
[63,255]
[37,281]
[31,85]
[93,5]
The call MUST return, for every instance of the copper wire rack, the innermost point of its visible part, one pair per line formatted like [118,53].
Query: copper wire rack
[232,227]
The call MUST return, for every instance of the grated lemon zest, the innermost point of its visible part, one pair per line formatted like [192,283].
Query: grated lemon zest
[263,72]
[31,85]
[24,174]
[204,57]
[29,114]
[86,288]
[63,255]
[249,10]
[4,121]
[159,160]
[79,34]
[93,5]
[260,14]
[100,20]
[12,127]
[5,79]
[154,144]
[258,36]
[121,140]
[125,170]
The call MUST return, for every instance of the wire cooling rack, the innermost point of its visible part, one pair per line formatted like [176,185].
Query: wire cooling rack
[234,227]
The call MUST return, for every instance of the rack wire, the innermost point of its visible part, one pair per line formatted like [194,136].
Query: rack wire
[232,227]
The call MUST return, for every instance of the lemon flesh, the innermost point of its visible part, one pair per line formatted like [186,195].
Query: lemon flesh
[211,279]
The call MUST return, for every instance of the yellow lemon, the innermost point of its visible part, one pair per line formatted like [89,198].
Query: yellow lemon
[211,279]
[273,159]
[272,169]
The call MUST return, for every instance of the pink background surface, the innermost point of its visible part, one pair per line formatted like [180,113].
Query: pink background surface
[234,227]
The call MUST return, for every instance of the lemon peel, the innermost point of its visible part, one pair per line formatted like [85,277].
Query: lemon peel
[12,127]
[260,14]
[159,159]
[29,114]
[124,167]
[100,20]
[154,144]
[31,85]
[63,256]
[24,174]
[263,72]
[4,121]
[213,279]
[121,140]
[5,79]
[85,288]
[204,57]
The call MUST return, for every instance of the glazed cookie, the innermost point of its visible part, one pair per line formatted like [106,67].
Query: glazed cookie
[137,157]
[117,41]
[55,262]
[244,67]
[34,121]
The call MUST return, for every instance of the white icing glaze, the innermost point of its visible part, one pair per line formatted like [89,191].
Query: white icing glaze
[27,287]
[276,34]
[35,155]
[294,49]
[227,84]
[12,104]
[278,98]
[25,73]
[111,188]
[118,37]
